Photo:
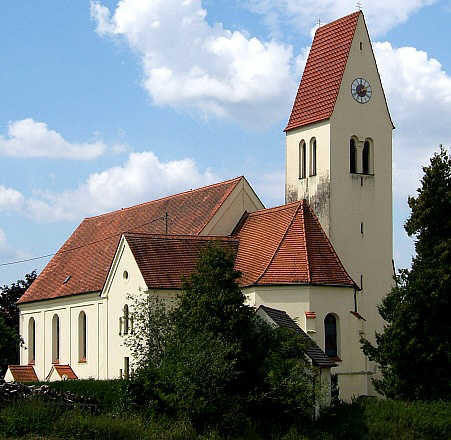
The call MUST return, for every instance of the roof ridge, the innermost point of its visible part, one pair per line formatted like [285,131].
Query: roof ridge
[280,243]
[167,197]
[334,253]
[273,209]
[309,278]
[182,236]
[339,19]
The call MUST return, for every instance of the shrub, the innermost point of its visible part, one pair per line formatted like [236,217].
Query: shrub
[108,393]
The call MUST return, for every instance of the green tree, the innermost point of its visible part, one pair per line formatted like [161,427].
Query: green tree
[213,361]
[9,295]
[414,350]
[9,344]
[9,321]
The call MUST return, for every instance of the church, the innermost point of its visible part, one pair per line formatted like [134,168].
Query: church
[321,262]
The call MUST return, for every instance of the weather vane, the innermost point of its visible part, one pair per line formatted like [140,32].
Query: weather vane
[319,22]
[359,6]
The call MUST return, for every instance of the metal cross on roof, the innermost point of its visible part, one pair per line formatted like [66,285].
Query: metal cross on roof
[359,6]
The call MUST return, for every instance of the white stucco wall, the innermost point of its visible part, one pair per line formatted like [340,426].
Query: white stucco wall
[315,189]
[242,199]
[67,309]
[296,300]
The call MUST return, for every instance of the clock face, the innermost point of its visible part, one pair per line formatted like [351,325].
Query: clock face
[361,90]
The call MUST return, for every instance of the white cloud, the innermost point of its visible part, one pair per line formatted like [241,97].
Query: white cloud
[381,15]
[28,138]
[190,64]
[419,96]
[7,252]
[10,199]
[142,178]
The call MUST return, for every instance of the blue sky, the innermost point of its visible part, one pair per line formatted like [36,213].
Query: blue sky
[106,104]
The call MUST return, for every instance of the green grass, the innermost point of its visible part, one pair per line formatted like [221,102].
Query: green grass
[370,419]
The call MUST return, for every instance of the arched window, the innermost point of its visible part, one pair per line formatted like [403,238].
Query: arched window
[313,157]
[82,337]
[352,156]
[126,319]
[330,335]
[302,160]
[366,158]
[31,341]
[55,339]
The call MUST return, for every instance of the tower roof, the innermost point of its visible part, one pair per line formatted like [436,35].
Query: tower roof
[320,83]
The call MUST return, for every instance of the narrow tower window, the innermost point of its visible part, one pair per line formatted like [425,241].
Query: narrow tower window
[31,341]
[313,157]
[352,156]
[55,339]
[302,160]
[366,158]
[82,337]
[330,335]
[361,46]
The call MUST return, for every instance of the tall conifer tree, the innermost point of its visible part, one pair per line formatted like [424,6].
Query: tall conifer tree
[414,350]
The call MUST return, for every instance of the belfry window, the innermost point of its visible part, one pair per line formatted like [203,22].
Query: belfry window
[330,335]
[313,157]
[352,156]
[366,158]
[82,337]
[302,160]
[55,339]
[31,341]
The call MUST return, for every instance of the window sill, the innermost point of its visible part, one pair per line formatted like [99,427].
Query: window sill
[55,362]
[335,358]
[31,363]
[82,361]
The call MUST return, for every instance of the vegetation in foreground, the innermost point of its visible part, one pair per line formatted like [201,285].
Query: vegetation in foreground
[413,351]
[370,419]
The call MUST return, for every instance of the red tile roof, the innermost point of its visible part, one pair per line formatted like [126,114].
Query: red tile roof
[286,245]
[318,90]
[23,373]
[88,253]
[164,259]
[65,370]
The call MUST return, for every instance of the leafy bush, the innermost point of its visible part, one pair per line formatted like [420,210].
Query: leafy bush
[212,361]
[108,393]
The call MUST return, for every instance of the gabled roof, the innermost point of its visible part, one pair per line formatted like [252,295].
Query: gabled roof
[313,351]
[164,259]
[88,253]
[286,245]
[23,373]
[64,371]
[320,83]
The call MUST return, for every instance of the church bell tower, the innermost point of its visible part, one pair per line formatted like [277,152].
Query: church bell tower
[339,157]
